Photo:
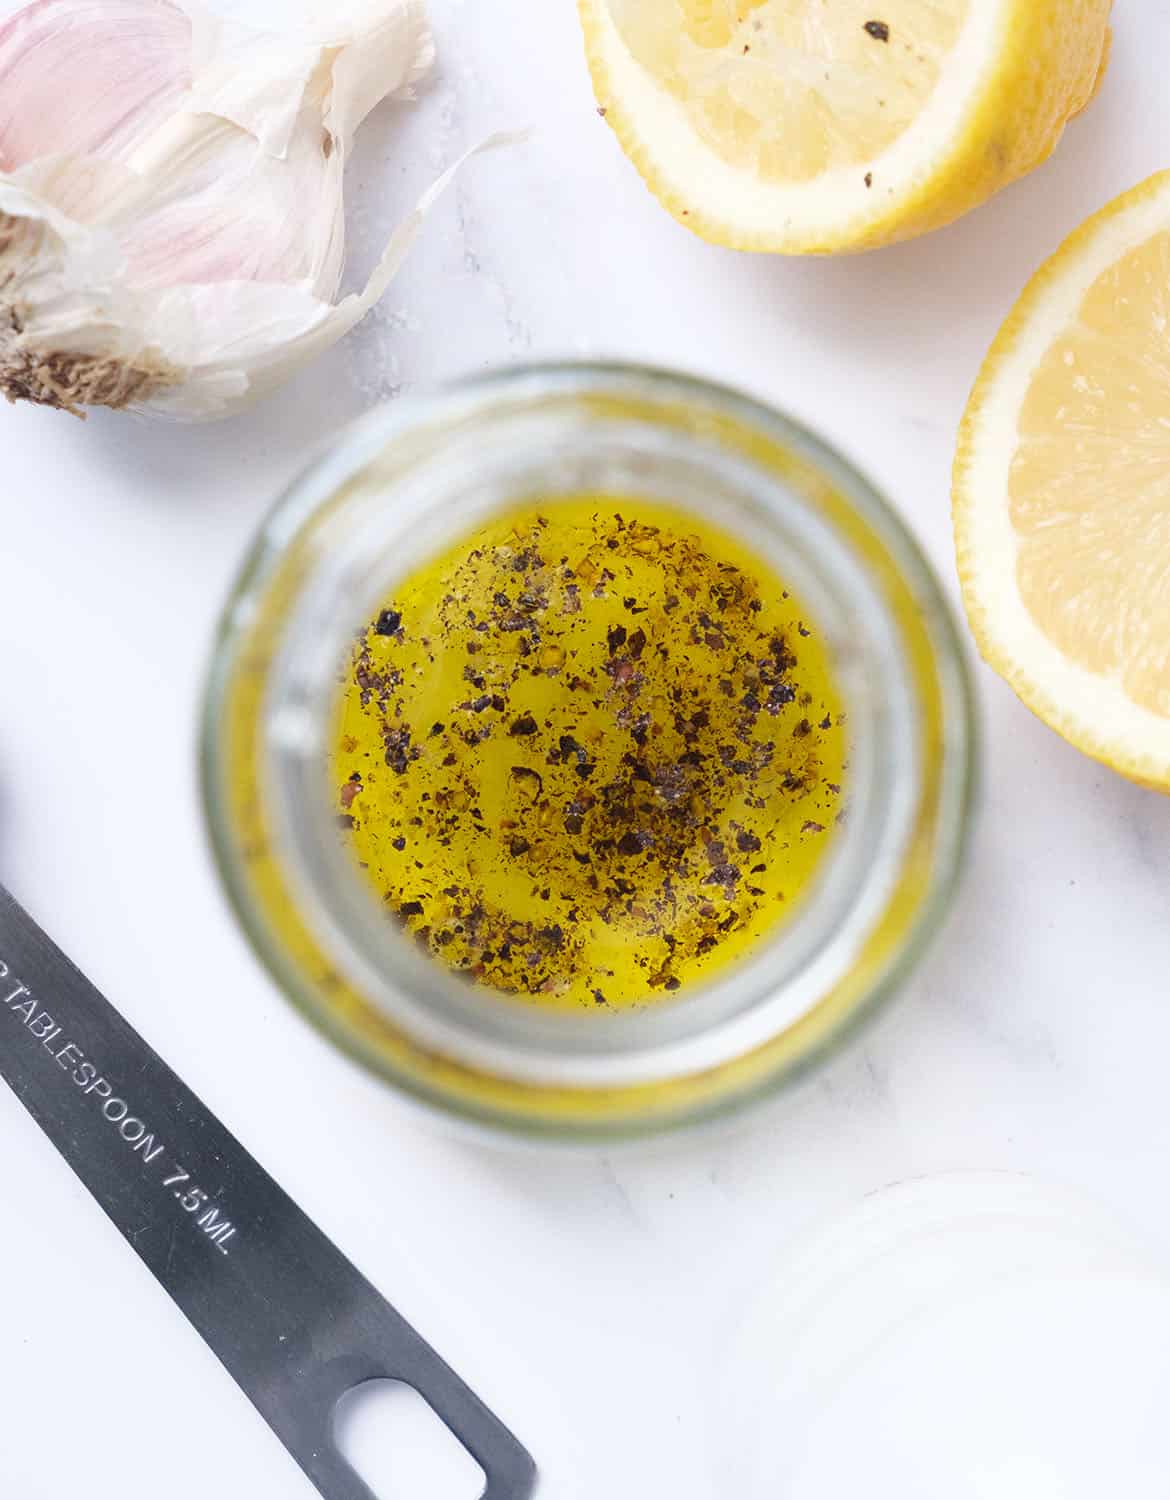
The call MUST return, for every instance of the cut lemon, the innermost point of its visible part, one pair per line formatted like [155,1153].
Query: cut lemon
[826,125]
[1062,490]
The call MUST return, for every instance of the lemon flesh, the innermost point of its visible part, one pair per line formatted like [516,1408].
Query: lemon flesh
[1062,490]
[824,125]
[790,90]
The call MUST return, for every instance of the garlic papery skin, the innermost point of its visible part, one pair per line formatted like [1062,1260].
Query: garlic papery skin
[177,245]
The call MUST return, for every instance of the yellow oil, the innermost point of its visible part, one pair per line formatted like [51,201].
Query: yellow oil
[591,753]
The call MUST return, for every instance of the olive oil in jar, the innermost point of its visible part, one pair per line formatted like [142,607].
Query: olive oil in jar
[591,753]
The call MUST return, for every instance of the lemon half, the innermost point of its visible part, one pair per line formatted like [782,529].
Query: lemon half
[1062,490]
[828,125]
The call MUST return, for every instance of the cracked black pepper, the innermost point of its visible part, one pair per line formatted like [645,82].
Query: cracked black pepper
[592,753]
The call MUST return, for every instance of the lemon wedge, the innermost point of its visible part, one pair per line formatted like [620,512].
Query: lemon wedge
[1062,490]
[826,125]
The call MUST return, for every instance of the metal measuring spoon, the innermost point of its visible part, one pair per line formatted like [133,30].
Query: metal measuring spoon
[294,1323]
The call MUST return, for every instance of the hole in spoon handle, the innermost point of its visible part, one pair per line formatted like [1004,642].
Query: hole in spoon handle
[405,1357]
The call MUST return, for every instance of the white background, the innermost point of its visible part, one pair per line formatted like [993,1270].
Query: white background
[584,1295]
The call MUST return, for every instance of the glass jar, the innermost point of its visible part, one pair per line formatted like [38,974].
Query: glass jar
[404,484]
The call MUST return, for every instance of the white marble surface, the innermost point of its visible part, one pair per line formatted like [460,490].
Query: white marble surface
[582,1294]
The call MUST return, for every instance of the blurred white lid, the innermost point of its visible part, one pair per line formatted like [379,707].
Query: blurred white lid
[972,1337]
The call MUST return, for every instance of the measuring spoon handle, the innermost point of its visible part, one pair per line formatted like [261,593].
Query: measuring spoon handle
[293,1321]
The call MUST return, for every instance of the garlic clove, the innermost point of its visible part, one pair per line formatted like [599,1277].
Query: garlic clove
[87,336]
[215,209]
[280,329]
[88,76]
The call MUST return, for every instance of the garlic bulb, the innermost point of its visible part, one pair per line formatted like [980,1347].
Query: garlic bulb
[171,227]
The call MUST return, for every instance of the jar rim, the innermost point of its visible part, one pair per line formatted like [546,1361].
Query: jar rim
[641,1047]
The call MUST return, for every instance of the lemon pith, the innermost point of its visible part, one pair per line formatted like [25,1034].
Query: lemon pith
[802,127]
[1062,490]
